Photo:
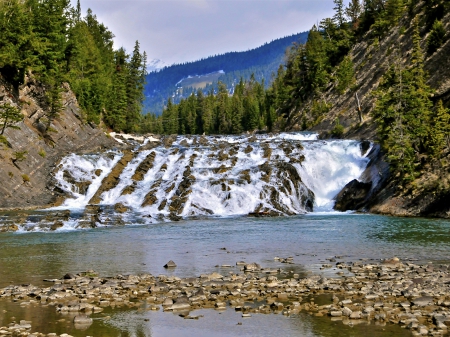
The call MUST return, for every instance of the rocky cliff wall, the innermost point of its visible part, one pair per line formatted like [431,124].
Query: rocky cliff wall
[372,58]
[28,182]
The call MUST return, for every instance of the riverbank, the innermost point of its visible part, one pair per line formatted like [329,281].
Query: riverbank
[391,291]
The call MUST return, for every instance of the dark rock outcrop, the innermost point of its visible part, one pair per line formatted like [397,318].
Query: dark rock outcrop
[352,196]
[360,193]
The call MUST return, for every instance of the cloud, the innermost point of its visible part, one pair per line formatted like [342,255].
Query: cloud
[185,30]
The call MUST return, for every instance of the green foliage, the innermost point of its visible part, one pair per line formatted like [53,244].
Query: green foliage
[345,74]
[3,140]
[51,39]
[42,153]
[404,114]
[338,129]
[9,116]
[25,178]
[436,37]
[245,110]
[440,135]
[10,174]
[20,156]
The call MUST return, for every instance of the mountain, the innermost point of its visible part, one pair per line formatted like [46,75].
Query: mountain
[155,65]
[262,62]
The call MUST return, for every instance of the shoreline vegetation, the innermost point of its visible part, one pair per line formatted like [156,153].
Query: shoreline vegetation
[386,292]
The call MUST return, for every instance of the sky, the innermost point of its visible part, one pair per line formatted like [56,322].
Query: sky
[177,31]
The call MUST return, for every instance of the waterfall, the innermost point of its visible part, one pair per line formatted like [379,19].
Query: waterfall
[198,176]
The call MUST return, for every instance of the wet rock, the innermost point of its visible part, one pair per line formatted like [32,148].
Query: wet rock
[82,320]
[112,179]
[69,276]
[352,196]
[252,267]
[120,208]
[170,264]
[56,225]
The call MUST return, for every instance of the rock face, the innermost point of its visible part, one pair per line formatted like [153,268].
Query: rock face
[28,183]
[352,195]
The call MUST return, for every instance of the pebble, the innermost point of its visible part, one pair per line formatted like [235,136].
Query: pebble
[414,296]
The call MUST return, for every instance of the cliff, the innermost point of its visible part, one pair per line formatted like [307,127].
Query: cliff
[371,58]
[29,158]
[428,195]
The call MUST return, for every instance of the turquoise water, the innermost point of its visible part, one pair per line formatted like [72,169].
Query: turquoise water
[197,247]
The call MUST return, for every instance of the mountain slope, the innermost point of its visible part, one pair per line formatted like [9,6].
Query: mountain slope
[262,61]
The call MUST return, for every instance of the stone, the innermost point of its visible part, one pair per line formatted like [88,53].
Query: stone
[69,276]
[170,264]
[346,312]
[252,267]
[82,319]
[355,315]
[422,301]
[352,196]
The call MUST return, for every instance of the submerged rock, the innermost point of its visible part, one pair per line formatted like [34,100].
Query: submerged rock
[170,264]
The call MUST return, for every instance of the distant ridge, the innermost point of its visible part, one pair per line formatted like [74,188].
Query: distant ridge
[261,61]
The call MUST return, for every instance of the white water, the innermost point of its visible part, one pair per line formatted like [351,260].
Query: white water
[82,169]
[235,185]
[329,166]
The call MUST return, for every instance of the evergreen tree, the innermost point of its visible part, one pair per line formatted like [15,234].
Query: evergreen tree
[339,16]
[353,11]
[9,116]
[135,80]
[345,74]
[403,113]
[436,37]
[17,41]
[440,135]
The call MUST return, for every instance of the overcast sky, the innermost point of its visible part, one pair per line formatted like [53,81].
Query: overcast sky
[176,31]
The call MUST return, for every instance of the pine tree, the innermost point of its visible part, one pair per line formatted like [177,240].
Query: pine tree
[17,41]
[403,113]
[135,80]
[440,135]
[339,16]
[345,74]
[436,37]
[353,11]
[9,116]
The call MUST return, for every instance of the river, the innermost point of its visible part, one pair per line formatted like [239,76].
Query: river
[211,184]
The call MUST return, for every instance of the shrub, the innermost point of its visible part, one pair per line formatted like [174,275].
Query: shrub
[436,37]
[3,140]
[25,178]
[338,129]
[20,156]
[42,153]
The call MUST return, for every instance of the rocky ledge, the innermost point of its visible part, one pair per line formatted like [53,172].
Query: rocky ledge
[414,296]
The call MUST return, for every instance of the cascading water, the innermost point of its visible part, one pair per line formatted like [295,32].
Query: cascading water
[329,166]
[198,176]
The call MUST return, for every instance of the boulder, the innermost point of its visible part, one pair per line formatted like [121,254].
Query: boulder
[170,264]
[352,196]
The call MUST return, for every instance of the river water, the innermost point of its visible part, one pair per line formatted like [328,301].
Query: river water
[218,193]
[203,246]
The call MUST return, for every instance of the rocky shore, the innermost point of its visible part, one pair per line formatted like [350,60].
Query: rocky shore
[388,292]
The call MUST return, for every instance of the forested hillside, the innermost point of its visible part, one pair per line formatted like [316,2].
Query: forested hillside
[55,44]
[261,62]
